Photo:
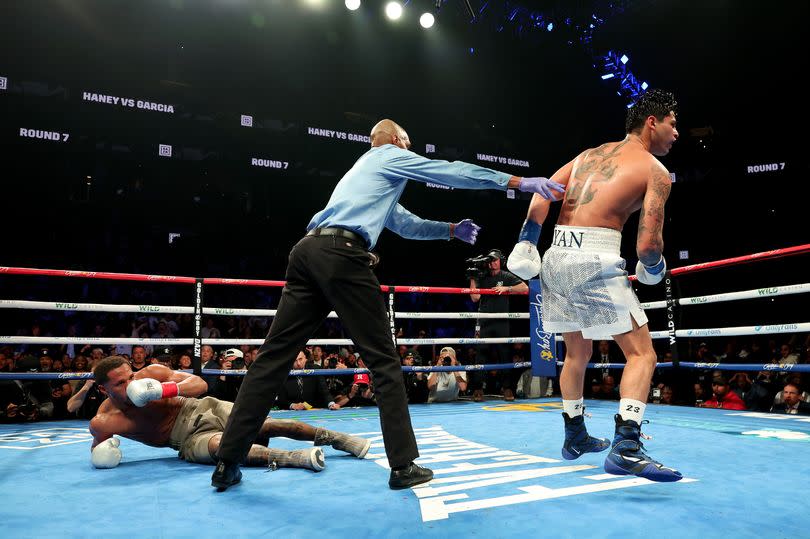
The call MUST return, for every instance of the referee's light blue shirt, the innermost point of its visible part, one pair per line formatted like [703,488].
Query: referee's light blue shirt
[366,199]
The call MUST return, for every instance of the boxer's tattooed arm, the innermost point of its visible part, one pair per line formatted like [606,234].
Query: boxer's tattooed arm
[651,220]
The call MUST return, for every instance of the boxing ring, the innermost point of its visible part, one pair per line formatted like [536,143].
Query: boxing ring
[497,465]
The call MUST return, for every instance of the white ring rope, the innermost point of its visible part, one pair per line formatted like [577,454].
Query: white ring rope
[177,309]
[773,291]
[221,311]
[734,296]
[798,327]
[95,307]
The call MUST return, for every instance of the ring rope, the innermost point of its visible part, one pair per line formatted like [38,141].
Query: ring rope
[227,311]
[8,270]
[767,292]
[708,332]
[222,311]
[736,331]
[293,372]
[780,367]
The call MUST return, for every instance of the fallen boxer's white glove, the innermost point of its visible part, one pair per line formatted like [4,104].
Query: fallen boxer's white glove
[106,454]
[145,390]
[650,275]
[524,260]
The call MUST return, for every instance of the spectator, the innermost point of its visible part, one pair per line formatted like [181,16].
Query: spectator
[163,331]
[17,405]
[723,397]
[85,401]
[26,401]
[704,355]
[6,365]
[754,395]
[445,386]
[96,355]
[206,355]
[607,389]
[138,360]
[792,401]
[251,357]
[786,356]
[796,380]
[304,392]
[415,382]
[361,393]
[317,357]
[768,380]
[222,387]
[603,354]
[209,331]
[184,362]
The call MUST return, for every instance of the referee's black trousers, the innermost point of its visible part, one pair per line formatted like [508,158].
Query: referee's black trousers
[325,273]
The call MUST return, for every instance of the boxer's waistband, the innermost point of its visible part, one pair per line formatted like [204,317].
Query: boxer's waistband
[588,239]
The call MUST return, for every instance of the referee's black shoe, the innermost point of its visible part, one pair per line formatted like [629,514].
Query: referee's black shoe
[409,476]
[226,474]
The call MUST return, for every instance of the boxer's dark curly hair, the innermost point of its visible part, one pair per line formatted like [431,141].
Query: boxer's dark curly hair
[103,368]
[656,103]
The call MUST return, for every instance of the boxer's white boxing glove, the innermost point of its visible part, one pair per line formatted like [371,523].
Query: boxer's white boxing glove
[651,274]
[524,260]
[145,390]
[106,454]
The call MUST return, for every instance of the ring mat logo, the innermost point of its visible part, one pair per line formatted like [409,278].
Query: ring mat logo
[525,407]
[41,438]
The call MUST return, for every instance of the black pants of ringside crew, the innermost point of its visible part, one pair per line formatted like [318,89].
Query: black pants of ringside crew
[325,273]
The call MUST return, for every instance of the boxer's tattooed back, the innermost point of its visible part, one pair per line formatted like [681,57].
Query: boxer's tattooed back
[597,167]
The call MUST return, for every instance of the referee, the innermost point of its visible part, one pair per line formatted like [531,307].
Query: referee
[331,268]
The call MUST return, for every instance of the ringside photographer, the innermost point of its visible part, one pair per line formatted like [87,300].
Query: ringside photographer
[445,386]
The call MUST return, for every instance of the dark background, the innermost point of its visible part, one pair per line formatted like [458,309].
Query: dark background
[534,95]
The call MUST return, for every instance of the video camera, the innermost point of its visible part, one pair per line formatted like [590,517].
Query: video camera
[478,267]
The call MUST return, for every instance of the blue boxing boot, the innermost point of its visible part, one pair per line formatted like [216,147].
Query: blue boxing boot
[577,441]
[627,456]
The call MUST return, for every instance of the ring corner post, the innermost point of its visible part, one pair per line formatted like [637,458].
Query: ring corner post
[196,360]
[543,346]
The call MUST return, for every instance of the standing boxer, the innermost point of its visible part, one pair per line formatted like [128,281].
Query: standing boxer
[586,293]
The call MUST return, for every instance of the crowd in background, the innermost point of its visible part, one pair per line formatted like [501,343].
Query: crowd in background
[31,400]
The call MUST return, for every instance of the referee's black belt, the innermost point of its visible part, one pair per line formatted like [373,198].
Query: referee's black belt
[341,232]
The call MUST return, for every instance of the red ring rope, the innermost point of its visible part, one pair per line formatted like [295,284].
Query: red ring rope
[765,255]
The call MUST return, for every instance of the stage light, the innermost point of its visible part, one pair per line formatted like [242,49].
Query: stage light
[624,59]
[352,5]
[550,26]
[608,76]
[427,20]
[644,85]
[393,10]
[470,11]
